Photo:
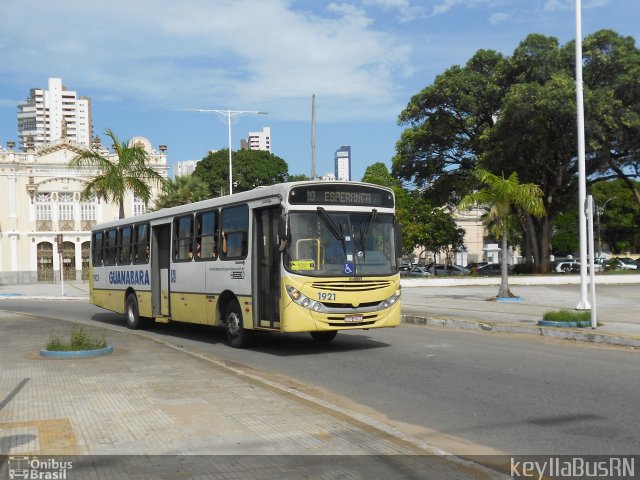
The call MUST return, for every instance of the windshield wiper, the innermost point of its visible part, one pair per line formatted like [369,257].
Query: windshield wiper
[365,231]
[333,228]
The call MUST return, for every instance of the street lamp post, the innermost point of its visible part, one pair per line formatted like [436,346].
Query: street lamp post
[229,114]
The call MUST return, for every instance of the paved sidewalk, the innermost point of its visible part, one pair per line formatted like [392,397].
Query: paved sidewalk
[149,398]
[470,307]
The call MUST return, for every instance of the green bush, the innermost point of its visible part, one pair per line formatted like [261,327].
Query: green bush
[79,340]
[568,316]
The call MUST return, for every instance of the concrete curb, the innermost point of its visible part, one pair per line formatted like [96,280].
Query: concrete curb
[576,334]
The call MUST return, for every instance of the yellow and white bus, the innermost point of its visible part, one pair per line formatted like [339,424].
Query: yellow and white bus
[315,257]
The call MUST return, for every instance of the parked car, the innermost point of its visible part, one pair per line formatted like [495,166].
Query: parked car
[419,271]
[573,266]
[567,266]
[405,268]
[439,269]
[623,263]
[493,269]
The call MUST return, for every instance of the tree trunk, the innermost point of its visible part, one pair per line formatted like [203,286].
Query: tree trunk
[545,244]
[121,209]
[504,291]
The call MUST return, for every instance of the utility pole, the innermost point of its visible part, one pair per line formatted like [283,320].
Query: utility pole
[582,182]
[228,114]
[313,136]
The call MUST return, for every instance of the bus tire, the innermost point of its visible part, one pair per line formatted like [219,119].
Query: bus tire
[134,321]
[237,336]
[324,336]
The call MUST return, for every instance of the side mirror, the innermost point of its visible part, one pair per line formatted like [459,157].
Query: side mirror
[397,230]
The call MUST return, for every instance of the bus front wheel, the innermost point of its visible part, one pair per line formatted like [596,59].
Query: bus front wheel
[323,336]
[134,321]
[237,336]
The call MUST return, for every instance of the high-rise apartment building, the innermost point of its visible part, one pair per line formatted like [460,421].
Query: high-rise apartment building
[52,114]
[343,163]
[258,140]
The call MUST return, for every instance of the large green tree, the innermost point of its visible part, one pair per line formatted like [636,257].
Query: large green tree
[127,169]
[617,217]
[503,198]
[517,114]
[251,169]
[181,190]
[612,75]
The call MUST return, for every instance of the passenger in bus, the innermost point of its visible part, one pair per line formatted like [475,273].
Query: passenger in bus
[334,252]
[234,247]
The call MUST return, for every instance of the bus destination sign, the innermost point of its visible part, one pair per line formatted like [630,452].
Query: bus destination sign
[360,195]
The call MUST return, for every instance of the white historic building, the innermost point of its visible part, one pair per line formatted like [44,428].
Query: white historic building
[40,202]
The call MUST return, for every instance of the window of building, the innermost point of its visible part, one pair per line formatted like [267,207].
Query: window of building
[65,211]
[139,207]
[88,210]
[42,206]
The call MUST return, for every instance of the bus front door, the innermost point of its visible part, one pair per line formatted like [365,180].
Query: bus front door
[160,270]
[267,268]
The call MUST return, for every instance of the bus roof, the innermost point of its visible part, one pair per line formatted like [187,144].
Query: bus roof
[281,189]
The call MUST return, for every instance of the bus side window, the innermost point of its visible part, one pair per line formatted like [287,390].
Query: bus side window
[206,235]
[111,246]
[125,246]
[141,243]
[234,232]
[183,238]
[96,249]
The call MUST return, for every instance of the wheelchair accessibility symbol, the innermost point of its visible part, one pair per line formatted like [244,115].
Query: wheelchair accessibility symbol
[348,268]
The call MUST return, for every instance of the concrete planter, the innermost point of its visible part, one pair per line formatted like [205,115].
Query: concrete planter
[579,324]
[76,353]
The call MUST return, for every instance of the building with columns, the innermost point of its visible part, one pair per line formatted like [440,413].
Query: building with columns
[40,198]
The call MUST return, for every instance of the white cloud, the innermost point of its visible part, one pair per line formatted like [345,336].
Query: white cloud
[553,5]
[228,53]
[497,18]
[406,11]
[443,6]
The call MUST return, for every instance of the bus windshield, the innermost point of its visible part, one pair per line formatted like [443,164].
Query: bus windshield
[325,243]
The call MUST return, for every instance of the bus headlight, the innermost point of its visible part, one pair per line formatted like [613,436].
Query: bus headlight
[303,300]
[391,300]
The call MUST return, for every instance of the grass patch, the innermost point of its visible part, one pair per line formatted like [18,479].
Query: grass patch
[79,339]
[568,316]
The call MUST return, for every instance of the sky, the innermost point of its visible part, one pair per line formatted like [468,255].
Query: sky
[145,63]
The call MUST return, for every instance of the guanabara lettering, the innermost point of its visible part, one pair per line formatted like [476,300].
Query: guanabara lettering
[136,277]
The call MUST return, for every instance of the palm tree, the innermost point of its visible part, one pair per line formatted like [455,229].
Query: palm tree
[500,197]
[127,170]
[182,190]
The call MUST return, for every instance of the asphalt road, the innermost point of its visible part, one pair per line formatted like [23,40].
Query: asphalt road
[466,392]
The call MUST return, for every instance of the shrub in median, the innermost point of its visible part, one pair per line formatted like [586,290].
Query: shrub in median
[79,340]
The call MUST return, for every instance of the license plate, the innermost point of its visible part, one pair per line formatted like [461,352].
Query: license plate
[353,318]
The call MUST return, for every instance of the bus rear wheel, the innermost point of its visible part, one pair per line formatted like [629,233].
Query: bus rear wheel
[134,320]
[323,336]
[237,336]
